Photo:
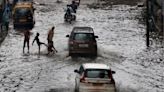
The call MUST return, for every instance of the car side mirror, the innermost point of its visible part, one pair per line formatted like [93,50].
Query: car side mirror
[67,35]
[96,37]
[76,71]
[113,72]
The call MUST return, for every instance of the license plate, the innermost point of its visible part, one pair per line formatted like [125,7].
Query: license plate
[97,84]
[83,45]
[22,20]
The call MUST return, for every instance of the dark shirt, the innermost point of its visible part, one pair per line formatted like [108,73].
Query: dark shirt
[68,11]
[74,7]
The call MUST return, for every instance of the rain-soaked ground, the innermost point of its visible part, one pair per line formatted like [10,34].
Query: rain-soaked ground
[121,45]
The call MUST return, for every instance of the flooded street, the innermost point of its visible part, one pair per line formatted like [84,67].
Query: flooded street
[121,45]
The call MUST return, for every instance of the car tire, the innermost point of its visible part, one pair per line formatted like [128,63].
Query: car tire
[15,26]
[73,56]
[32,26]
[95,54]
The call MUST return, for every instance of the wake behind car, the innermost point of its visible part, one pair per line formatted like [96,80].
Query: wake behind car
[94,77]
[82,41]
[23,15]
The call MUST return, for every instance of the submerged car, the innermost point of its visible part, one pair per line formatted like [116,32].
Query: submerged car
[94,77]
[23,15]
[82,41]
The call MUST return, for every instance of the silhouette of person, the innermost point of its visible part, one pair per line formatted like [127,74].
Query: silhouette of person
[50,34]
[26,40]
[38,41]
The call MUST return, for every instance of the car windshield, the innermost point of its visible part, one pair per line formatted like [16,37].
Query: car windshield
[21,12]
[83,36]
[97,73]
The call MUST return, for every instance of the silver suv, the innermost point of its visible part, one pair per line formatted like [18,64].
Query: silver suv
[93,77]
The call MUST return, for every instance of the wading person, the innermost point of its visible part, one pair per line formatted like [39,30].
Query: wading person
[26,40]
[38,41]
[50,34]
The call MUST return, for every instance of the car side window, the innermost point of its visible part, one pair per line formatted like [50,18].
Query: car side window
[81,70]
[83,36]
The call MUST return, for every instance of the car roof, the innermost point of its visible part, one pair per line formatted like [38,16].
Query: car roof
[95,66]
[24,4]
[83,30]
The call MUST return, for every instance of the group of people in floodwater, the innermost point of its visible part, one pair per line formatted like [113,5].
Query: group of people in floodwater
[49,45]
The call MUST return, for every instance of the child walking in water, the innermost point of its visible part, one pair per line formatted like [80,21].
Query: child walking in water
[38,41]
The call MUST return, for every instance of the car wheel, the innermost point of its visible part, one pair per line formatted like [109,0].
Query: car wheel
[73,56]
[15,26]
[95,52]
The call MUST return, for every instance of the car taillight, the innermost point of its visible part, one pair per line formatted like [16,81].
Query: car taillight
[82,79]
[111,78]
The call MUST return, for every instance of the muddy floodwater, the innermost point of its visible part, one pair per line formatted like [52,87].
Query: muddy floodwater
[121,45]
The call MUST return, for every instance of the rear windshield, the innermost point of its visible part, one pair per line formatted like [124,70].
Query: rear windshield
[21,12]
[83,36]
[97,73]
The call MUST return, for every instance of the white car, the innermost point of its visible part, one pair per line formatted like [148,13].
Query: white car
[94,77]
